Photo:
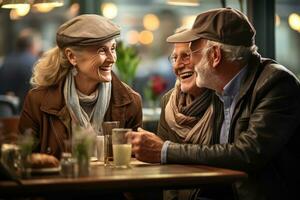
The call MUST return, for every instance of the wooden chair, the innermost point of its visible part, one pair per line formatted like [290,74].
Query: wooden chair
[9,129]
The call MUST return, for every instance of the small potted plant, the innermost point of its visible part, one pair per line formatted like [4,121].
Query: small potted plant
[83,142]
[127,62]
[26,142]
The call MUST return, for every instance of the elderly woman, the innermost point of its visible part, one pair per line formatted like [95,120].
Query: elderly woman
[74,84]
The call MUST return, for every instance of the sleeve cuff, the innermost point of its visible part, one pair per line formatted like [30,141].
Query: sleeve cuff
[164,152]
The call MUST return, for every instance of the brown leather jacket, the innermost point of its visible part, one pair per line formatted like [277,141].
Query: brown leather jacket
[45,112]
[264,135]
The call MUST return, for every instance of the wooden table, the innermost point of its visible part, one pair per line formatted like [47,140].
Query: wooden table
[105,179]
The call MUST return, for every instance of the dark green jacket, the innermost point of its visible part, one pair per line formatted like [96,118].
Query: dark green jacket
[264,135]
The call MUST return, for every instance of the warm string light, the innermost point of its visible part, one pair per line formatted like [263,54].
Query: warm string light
[294,21]
[132,37]
[22,7]
[43,8]
[22,10]
[109,10]
[14,4]
[183,2]
[50,3]
[151,22]
[277,20]
[146,37]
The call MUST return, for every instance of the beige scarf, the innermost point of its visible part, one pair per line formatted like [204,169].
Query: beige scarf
[190,120]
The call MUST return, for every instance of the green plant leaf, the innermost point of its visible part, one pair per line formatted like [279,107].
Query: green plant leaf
[127,62]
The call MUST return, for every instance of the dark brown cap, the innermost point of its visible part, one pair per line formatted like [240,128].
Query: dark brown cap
[225,25]
[86,30]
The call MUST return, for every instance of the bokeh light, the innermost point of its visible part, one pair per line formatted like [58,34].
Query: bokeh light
[132,37]
[146,37]
[151,22]
[109,10]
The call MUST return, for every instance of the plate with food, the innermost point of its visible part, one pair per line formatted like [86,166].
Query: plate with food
[52,170]
[44,164]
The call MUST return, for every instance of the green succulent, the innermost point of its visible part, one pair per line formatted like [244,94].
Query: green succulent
[127,62]
[82,141]
[27,142]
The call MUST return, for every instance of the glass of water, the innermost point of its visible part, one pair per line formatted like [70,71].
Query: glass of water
[121,147]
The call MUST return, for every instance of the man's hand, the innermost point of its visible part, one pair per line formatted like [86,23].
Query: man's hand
[146,146]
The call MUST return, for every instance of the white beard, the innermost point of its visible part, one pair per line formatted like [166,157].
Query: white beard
[204,73]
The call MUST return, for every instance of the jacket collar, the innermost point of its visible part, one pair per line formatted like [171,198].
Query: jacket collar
[119,94]
[54,103]
[252,70]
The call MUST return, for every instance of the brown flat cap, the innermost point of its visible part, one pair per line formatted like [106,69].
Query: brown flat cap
[225,25]
[86,30]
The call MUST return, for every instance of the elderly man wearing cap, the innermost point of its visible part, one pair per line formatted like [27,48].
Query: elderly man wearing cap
[259,134]
[188,111]
[74,84]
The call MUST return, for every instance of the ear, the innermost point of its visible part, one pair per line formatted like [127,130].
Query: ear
[216,56]
[71,56]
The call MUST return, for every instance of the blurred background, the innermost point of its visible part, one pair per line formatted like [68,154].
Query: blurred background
[31,26]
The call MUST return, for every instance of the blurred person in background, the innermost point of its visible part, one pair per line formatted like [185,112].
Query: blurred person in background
[17,67]
[74,85]
[187,111]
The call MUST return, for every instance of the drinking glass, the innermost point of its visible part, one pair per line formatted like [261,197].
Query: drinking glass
[121,147]
[107,132]
[100,147]
[10,156]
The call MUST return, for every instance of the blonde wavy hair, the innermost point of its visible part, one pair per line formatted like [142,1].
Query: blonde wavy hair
[50,68]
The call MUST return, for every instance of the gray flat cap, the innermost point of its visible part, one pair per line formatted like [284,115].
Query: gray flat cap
[86,30]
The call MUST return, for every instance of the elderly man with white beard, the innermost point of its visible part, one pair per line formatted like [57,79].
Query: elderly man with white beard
[259,133]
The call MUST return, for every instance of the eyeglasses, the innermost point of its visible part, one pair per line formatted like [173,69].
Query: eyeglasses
[185,58]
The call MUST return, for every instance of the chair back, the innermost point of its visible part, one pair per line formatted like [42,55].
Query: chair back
[8,105]
[9,129]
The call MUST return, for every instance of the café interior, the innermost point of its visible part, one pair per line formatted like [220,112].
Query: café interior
[145,25]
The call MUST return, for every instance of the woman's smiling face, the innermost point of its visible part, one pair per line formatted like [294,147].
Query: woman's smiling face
[94,63]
